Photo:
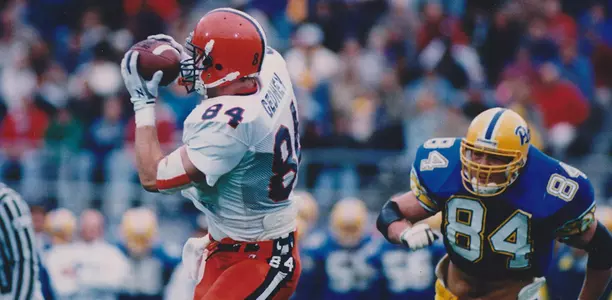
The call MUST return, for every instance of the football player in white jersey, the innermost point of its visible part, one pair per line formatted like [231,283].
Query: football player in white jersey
[240,157]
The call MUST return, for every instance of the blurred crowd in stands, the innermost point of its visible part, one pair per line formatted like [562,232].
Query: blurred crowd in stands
[369,74]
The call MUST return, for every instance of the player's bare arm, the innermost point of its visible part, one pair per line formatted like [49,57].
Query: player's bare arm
[396,221]
[155,170]
[410,210]
[597,241]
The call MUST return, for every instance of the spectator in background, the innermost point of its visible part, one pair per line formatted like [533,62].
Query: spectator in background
[168,10]
[562,106]
[51,92]
[442,40]
[392,109]
[515,92]
[429,98]
[331,18]
[595,29]
[82,44]
[148,17]
[561,27]
[348,85]
[18,79]
[101,75]
[436,25]
[538,42]
[577,68]
[311,66]
[106,134]
[500,45]
[310,63]
[166,128]
[522,65]
[400,22]
[337,179]
[21,139]
[120,164]
[180,103]
[102,268]
[93,33]
[596,41]
[64,160]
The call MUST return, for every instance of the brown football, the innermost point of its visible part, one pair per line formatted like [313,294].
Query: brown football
[155,56]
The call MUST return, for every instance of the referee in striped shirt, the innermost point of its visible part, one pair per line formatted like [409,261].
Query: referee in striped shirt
[18,257]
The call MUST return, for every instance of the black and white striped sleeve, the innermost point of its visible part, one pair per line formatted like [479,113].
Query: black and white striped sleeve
[19,260]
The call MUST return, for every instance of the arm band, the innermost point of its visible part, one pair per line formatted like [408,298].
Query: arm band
[390,213]
[171,174]
[600,249]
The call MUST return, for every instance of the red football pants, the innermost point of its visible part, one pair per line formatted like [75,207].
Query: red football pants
[258,270]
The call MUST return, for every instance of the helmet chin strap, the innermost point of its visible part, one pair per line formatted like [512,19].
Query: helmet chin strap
[200,88]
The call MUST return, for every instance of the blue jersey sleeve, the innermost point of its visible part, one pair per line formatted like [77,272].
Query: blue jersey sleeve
[573,187]
[431,177]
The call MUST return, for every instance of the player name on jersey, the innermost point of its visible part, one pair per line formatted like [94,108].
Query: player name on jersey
[274,96]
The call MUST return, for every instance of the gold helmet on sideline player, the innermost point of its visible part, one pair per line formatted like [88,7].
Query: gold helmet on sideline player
[60,225]
[308,212]
[498,134]
[139,230]
[348,221]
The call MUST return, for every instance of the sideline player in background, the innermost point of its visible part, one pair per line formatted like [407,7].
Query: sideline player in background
[308,214]
[150,265]
[240,158]
[406,273]
[503,204]
[18,252]
[334,261]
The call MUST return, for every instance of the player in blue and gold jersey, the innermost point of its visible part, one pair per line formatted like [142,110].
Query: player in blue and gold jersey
[503,204]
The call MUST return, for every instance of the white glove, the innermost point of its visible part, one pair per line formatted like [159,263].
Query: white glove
[169,39]
[418,236]
[194,257]
[143,93]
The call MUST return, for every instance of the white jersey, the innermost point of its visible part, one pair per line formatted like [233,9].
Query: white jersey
[248,148]
[81,270]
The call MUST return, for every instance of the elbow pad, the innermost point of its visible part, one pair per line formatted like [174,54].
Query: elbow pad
[390,213]
[600,249]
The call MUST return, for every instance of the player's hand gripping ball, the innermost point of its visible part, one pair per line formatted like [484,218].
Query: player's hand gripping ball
[158,55]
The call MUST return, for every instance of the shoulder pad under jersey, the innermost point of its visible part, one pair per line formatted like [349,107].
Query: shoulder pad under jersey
[435,172]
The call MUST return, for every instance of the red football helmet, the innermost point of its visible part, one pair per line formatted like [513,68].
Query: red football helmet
[226,45]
